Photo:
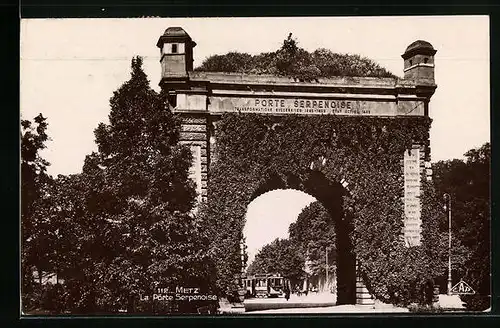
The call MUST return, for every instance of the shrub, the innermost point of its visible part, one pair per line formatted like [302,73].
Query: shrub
[293,61]
[416,308]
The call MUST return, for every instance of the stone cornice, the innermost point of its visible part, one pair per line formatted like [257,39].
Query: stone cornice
[236,83]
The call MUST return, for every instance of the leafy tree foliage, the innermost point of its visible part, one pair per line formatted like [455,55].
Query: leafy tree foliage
[35,185]
[281,256]
[63,216]
[139,231]
[33,166]
[292,61]
[314,232]
[468,183]
[124,225]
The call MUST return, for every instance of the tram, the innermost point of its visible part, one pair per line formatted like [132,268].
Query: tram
[264,285]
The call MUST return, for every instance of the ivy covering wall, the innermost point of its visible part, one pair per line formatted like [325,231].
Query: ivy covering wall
[257,153]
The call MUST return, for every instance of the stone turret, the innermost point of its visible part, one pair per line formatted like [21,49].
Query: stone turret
[176,49]
[419,62]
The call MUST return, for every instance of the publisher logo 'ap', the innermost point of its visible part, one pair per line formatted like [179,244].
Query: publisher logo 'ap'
[462,288]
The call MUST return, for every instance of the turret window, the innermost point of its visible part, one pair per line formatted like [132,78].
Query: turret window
[426,60]
[173,48]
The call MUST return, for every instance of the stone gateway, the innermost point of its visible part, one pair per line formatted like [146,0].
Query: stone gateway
[201,98]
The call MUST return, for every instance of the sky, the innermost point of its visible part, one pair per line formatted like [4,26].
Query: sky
[269,216]
[70,68]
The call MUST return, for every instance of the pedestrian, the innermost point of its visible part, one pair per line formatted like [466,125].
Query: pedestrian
[286,289]
[429,291]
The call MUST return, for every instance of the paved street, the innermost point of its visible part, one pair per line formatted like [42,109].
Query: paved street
[312,303]
[333,309]
[310,298]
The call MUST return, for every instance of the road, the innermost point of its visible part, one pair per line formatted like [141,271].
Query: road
[332,309]
[312,303]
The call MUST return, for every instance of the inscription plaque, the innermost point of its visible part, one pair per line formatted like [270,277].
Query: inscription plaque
[412,210]
[310,106]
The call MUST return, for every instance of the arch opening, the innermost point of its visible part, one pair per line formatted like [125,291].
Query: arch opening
[307,217]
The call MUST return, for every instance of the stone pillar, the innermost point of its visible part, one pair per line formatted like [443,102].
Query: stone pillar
[194,134]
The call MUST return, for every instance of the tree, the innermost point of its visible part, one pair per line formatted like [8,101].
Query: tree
[50,212]
[136,232]
[280,256]
[314,232]
[33,166]
[468,183]
[35,185]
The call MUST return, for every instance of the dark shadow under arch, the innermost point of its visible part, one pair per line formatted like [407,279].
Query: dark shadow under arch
[331,195]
